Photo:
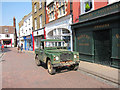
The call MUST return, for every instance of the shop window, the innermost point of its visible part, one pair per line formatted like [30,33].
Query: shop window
[65,32]
[86,6]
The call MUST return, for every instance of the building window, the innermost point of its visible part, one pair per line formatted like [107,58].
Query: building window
[35,7]
[6,30]
[61,9]
[40,21]
[86,6]
[40,4]
[35,23]
[29,21]
[7,35]
[51,14]
[29,30]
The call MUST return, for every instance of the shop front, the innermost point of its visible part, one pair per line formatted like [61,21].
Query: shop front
[38,35]
[97,36]
[60,29]
[28,43]
[7,42]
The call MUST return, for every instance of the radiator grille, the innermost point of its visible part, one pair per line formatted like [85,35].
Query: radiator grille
[66,56]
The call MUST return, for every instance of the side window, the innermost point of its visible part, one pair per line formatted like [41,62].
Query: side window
[59,43]
[55,43]
[42,45]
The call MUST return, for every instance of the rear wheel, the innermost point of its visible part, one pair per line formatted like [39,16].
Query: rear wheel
[51,70]
[37,61]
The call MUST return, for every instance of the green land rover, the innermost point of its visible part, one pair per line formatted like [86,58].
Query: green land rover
[54,54]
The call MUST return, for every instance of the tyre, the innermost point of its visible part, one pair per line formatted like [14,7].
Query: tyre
[75,67]
[51,70]
[37,61]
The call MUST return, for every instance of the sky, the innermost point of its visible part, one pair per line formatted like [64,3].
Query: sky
[15,9]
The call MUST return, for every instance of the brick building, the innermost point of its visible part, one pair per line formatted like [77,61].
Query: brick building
[58,20]
[38,14]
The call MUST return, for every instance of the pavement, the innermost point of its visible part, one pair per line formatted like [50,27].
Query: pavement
[105,72]
[20,71]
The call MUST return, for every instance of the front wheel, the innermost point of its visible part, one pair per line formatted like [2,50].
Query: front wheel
[37,61]
[51,70]
[75,67]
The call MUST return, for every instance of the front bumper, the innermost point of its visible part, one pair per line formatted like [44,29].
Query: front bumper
[61,64]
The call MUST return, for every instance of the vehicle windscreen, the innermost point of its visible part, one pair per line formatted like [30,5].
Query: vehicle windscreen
[55,44]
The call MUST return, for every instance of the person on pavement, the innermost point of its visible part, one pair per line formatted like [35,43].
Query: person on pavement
[18,48]
[2,48]
[21,47]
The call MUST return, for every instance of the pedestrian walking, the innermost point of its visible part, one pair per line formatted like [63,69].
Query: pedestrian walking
[21,47]
[18,48]
[2,48]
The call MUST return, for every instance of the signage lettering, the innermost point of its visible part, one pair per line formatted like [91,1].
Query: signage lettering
[102,11]
[102,26]
[84,44]
[83,36]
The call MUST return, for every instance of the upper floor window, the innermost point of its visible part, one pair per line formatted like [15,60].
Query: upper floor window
[86,6]
[51,14]
[35,23]
[29,30]
[61,11]
[40,4]
[6,30]
[29,21]
[25,23]
[40,21]
[35,7]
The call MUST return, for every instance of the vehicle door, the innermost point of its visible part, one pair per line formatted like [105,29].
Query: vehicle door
[41,52]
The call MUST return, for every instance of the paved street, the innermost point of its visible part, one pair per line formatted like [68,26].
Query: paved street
[20,71]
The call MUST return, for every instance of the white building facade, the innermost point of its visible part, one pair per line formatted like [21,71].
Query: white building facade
[7,35]
[26,32]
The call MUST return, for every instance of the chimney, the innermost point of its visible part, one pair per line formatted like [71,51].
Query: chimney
[14,22]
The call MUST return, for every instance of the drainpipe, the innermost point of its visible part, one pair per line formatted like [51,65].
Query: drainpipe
[33,41]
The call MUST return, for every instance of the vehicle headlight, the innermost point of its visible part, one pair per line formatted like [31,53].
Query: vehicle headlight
[57,58]
[75,56]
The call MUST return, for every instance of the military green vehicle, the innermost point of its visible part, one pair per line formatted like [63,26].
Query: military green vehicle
[54,54]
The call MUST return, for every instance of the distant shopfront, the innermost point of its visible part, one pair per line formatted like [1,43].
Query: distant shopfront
[97,36]
[38,35]
[28,43]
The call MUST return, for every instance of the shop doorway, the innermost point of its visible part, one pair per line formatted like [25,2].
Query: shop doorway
[102,47]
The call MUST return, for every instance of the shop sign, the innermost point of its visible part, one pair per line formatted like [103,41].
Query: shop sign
[100,12]
[83,40]
[101,26]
